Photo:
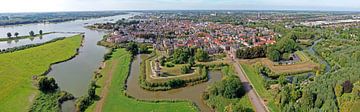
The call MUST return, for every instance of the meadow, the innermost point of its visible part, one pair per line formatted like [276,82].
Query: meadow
[116,98]
[17,69]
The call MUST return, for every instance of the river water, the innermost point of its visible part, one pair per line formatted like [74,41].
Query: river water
[192,93]
[74,75]
[321,61]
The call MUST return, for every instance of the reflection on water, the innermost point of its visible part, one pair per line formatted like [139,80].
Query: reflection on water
[192,93]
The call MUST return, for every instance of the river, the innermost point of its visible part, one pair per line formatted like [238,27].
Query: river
[74,75]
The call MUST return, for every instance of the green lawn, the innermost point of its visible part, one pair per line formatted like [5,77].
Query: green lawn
[116,99]
[258,84]
[17,69]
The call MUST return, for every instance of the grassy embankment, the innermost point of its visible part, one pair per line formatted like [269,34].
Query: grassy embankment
[258,84]
[16,76]
[303,66]
[23,37]
[118,100]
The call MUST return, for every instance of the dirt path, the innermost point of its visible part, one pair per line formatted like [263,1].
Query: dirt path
[105,91]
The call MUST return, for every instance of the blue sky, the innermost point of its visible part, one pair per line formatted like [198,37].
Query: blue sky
[85,5]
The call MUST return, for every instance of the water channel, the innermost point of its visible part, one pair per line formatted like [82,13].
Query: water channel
[321,61]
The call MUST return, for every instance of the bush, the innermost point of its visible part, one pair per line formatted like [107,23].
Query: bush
[250,53]
[185,69]
[175,83]
[230,87]
[143,48]
[46,84]
[169,64]
[82,103]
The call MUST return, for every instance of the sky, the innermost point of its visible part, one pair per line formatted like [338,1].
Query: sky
[100,5]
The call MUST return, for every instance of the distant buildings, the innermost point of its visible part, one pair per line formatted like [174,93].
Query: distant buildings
[167,35]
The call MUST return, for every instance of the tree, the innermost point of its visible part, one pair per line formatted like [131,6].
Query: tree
[273,54]
[182,55]
[162,61]
[132,47]
[201,55]
[229,87]
[16,34]
[282,81]
[286,45]
[250,53]
[191,61]
[185,69]
[47,84]
[40,32]
[9,34]
[338,90]
[347,85]
[143,48]
[92,89]
[31,33]
[307,100]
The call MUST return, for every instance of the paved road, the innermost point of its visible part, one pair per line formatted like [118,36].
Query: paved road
[256,101]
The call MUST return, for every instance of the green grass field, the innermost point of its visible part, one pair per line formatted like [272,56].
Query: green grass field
[258,84]
[116,99]
[17,68]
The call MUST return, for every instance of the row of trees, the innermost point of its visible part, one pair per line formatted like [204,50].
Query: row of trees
[189,55]
[250,53]
[16,34]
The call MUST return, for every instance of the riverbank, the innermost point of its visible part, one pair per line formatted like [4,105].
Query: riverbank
[16,79]
[116,71]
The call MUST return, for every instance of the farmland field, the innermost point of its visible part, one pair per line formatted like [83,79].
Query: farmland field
[16,77]
[116,98]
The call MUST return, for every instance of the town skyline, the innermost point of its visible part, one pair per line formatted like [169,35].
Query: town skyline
[104,5]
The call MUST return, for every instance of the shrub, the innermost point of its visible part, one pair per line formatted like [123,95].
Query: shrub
[230,87]
[185,69]
[46,84]
[169,64]
[175,83]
